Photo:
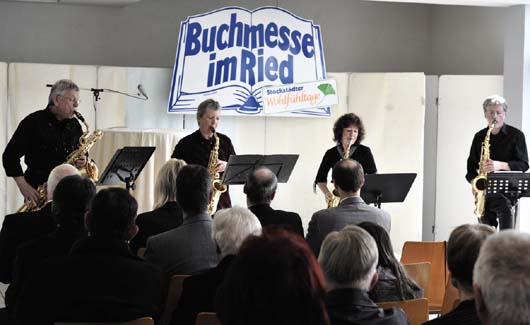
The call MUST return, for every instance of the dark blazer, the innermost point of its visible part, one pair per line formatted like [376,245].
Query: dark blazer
[155,222]
[19,228]
[268,216]
[465,314]
[353,306]
[198,293]
[34,252]
[101,280]
[187,249]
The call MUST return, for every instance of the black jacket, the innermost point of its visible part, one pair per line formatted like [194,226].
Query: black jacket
[268,216]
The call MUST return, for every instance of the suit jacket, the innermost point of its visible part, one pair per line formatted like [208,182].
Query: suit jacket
[198,293]
[351,211]
[101,280]
[268,216]
[19,228]
[353,306]
[186,249]
[34,252]
[155,222]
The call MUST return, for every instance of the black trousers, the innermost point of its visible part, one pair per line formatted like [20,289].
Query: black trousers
[498,207]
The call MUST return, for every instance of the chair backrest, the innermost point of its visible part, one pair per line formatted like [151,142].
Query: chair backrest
[451,297]
[207,319]
[139,321]
[420,272]
[141,252]
[417,310]
[435,253]
[173,296]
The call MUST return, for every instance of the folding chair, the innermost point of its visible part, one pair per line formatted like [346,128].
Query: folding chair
[173,296]
[417,310]
[420,272]
[207,319]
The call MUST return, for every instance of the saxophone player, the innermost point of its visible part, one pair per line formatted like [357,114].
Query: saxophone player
[44,138]
[507,149]
[197,147]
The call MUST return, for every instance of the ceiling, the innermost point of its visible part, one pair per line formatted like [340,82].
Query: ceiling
[484,3]
[112,3]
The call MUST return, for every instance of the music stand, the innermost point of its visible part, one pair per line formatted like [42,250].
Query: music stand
[240,166]
[513,185]
[379,188]
[125,166]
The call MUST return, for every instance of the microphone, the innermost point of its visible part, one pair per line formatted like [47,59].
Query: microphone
[142,91]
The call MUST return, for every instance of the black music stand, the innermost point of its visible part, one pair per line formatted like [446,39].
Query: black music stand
[513,185]
[125,166]
[379,188]
[240,166]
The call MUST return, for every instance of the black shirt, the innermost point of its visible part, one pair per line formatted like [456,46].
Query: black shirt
[508,145]
[464,314]
[362,154]
[195,149]
[44,141]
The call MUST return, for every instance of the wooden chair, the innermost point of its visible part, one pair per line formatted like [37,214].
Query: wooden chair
[141,252]
[420,272]
[435,253]
[417,310]
[207,319]
[173,296]
[451,297]
[139,321]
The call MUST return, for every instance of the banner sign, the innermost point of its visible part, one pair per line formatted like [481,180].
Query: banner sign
[298,97]
[231,54]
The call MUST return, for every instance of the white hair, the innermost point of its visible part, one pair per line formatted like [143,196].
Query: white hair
[348,258]
[502,272]
[58,173]
[495,100]
[166,182]
[232,226]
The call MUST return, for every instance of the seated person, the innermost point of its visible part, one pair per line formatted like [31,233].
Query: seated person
[101,280]
[348,259]
[393,281]
[167,213]
[230,228]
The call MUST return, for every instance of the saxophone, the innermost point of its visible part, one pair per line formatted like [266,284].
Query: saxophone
[479,184]
[86,141]
[333,200]
[217,187]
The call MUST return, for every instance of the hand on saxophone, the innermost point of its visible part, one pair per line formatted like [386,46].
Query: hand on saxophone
[494,165]
[221,166]
[29,193]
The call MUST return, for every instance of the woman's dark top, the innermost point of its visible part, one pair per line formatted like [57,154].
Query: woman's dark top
[386,288]
[361,153]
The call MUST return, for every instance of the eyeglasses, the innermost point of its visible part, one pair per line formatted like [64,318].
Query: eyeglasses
[72,100]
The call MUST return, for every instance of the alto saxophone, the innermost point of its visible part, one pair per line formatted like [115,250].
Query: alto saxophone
[479,184]
[86,141]
[333,199]
[217,187]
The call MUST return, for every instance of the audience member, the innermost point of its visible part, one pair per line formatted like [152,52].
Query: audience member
[275,279]
[463,248]
[167,213]
[348,177]
[501,279]
[230,228]
[19,228]
[189,248]
[260,189]
[70,202]
[393,282]
[348,259]
[101,280]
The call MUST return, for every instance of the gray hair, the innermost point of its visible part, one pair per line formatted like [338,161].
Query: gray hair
[261,185]
[58,173]
[348,258]
[204,105]
[165,186]
[232,226]
[60,87]
[502,272]
[495,100]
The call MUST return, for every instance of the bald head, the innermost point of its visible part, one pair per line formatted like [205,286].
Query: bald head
[348,175]
[56,175]
[260,187]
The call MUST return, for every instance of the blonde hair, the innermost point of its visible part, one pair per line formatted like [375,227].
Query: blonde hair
[166,182]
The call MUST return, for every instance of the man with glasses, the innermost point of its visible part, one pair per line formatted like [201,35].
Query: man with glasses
[45,138]
[507,152]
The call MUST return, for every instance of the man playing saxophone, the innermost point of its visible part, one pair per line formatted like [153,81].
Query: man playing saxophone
[507,151]
[44,138]
[197,148]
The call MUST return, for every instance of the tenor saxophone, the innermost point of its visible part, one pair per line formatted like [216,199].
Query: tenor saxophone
[479,184]
[217,186]
[333,199]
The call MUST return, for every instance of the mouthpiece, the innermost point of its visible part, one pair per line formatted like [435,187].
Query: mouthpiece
[79,116]
[212,129]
